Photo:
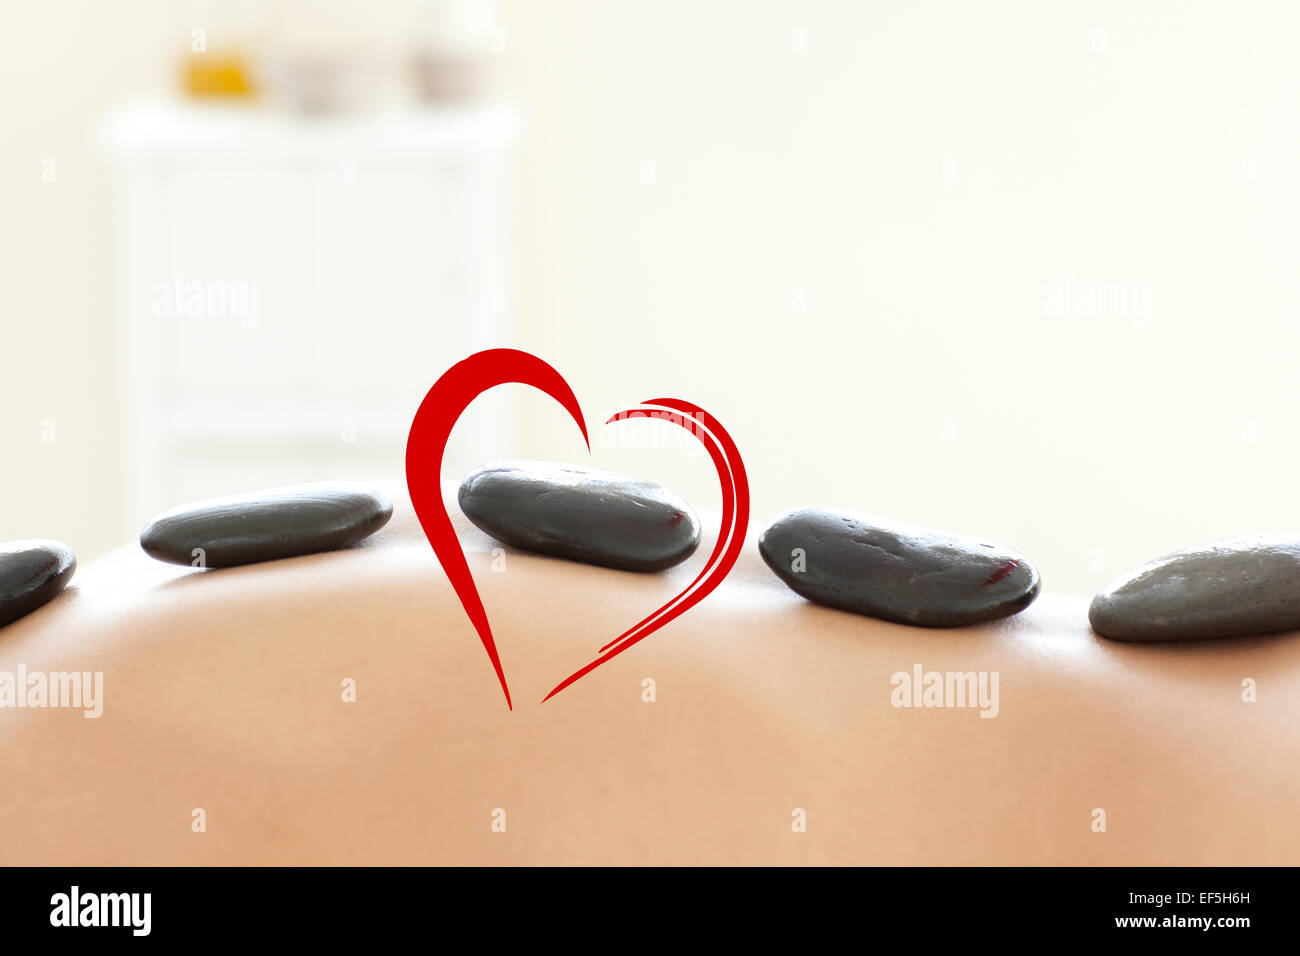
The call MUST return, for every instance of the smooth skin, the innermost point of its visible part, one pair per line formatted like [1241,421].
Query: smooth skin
[223,691]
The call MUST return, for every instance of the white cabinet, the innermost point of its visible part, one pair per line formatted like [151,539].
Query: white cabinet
[288,289]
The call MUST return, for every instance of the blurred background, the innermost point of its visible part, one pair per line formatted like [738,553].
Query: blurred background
[1020,270]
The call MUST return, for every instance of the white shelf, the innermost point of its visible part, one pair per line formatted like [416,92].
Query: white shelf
[169,129]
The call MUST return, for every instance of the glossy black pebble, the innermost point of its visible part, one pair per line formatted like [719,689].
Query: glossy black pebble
[582,514]
[896,572]
[32,573]
[1233,588]
[266,525]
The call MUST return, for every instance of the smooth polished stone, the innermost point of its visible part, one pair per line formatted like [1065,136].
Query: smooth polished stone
[581,514]
[266,525]
[1232,588]
[896,572]
[31,574]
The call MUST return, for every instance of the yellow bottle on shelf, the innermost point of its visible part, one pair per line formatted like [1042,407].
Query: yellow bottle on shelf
[218,75]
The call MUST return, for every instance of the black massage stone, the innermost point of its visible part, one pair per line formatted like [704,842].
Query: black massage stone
[32,573]
[896,572]
[266,525]
[581,514]
[1233,588]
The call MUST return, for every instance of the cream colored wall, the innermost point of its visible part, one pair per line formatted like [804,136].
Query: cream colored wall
[1159,151]
[846,229]
[63,63]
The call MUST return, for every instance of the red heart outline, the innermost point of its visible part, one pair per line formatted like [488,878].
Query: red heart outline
[427,442]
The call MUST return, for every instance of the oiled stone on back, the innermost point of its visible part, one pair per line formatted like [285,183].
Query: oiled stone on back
[894,571]
[32,572]
[1232,588]
[266,525]
[582,514]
